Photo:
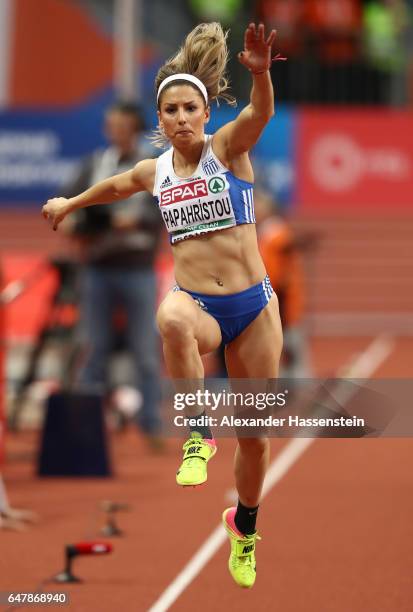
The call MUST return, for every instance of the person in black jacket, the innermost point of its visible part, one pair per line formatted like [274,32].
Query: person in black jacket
[118,246]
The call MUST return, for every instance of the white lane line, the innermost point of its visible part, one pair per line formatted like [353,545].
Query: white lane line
[367,362]
[191,569]
[363,366]
[280,466]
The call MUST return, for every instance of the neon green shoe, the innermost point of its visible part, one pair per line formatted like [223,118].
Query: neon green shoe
[198,451]
[241,562]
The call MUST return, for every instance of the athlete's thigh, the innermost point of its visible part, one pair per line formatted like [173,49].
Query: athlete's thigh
[256,352]
[179,306]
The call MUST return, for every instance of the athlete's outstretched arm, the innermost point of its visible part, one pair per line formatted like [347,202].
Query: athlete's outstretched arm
[241,135]
[117,187]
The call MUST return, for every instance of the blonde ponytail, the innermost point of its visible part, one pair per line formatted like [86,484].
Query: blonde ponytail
[204,54]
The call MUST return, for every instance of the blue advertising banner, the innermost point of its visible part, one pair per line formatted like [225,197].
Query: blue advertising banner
[40,150]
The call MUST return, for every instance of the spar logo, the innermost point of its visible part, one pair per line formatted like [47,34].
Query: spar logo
[181,193]
[216,184]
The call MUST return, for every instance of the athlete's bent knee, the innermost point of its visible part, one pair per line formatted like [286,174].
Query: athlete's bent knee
[175,326]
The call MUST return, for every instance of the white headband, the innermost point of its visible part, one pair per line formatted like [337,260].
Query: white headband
[184,77]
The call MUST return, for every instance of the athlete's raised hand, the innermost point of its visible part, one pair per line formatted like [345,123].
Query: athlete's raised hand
[55,210]
[257,54]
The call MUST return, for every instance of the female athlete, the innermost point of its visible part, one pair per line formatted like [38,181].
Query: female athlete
[204,188]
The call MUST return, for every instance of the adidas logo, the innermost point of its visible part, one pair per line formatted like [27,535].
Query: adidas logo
[200,303]
[166,183]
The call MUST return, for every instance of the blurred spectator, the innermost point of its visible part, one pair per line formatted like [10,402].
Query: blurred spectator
[224,11]
[388,47]
[294,79]
[321,39]
[13,518]
[282,261]
[118,248]
[335,27]
[334,34]
[324,42]
[287,17]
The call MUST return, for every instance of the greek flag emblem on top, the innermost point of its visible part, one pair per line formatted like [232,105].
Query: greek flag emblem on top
[210,166]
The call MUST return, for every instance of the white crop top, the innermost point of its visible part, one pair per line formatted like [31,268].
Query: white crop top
[211,199]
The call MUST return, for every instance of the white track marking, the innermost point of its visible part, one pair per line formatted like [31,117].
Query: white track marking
[371,359]
[363,366]
[192,569]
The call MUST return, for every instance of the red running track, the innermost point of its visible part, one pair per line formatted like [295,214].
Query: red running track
[337,529]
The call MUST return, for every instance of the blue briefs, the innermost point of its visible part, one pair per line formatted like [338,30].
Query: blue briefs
[234,312]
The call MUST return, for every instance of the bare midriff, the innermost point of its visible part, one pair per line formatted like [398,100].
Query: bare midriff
[219,263]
